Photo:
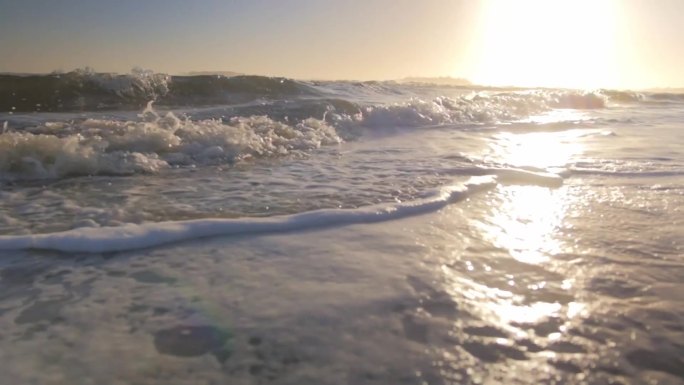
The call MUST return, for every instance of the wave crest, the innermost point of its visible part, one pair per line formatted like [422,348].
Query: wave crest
[133,236]
[97,146]
[86,90]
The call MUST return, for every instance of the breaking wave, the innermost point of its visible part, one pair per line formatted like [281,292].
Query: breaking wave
[97,146]
[134,236]
[152,142]
[230,119]
[86,90]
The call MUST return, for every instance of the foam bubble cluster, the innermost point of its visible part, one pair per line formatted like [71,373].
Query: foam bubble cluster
[101,146]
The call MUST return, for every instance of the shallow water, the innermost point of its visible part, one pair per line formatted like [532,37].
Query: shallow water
[565,266]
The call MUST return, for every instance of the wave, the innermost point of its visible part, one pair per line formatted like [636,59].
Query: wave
[80,90]
[641,97]
[667,96]
[85,90]
[626,173]
[475,109]
[622,96]
[111,147]
[512,175]
[642,166]
[153,142]
[134,236]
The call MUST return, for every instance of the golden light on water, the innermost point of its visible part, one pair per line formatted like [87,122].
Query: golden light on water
[540,150]
[555,43]
[526,218]
[524,221]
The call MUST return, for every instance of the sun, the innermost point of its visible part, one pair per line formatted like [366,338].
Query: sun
[547,43]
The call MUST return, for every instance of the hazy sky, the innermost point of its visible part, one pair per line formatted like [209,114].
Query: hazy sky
[628,43]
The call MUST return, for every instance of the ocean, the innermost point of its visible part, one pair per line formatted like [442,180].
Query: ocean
[205,229]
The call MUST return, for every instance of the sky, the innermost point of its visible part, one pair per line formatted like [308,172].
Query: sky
[568,43]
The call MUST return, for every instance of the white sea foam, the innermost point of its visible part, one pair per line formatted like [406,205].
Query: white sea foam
[101,146]
[55,149]
[133,236]
[507,175]
[121,147]
[476,108]
[519,176]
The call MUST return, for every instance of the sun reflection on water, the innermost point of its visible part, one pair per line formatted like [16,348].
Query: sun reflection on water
[537,149]
[525,222]
[524,219]
[558,116]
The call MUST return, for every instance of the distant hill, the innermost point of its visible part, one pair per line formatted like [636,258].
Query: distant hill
[444,80]
[222,73]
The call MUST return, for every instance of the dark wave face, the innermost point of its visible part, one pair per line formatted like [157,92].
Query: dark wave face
[667,96]
[87,91]
[84,90]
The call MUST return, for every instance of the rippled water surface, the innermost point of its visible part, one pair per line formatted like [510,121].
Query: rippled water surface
[561,264]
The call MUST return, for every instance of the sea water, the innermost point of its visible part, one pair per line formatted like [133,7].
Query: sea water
[212,230]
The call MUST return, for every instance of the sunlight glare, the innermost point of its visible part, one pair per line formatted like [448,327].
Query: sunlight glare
[548,43]
[525,222]
[527,217]
[542,150]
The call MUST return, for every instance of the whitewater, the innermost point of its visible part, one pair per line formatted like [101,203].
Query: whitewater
[161,229]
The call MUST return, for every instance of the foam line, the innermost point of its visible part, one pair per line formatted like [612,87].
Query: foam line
[626,174]
[134,236]
[514,175]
